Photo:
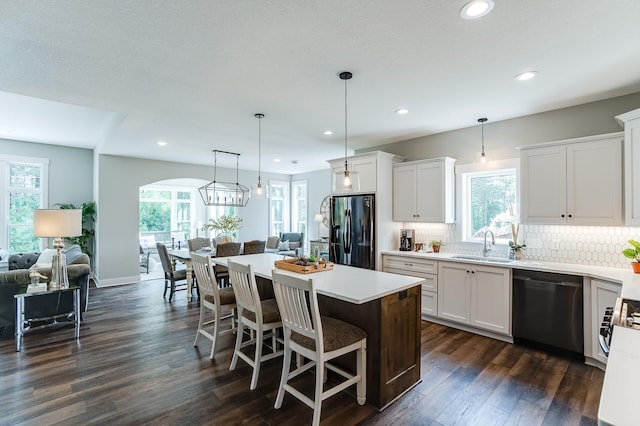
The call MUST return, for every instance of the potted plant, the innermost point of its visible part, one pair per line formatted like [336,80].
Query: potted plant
[515,250]
[225,225]
[435,245]
[633,253]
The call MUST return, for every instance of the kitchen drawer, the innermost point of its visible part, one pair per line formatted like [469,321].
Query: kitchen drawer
[409,265]
[429,303]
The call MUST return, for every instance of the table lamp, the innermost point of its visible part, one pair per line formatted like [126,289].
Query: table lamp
[318,219]
[60,223]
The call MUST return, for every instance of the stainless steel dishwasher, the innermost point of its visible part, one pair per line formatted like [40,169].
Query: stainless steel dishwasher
[548,310]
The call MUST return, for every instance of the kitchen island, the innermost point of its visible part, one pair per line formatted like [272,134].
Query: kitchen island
[386,306]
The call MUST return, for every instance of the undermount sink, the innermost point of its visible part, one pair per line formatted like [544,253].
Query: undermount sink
[483,259]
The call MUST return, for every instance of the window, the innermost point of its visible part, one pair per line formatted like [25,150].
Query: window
[279,207]
[24,181]
[487,199]
[299,208]
[166,213]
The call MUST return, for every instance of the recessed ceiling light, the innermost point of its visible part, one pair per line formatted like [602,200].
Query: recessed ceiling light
[162,143]
[524,76]
[476,9]
[402,111]
[276,160]
[328,132]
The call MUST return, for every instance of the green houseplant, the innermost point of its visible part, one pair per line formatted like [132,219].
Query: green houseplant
[85,241]
[515,250]
[435,245]
[633,253]
[227,225]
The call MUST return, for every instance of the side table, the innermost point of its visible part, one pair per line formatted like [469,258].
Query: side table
[23,324]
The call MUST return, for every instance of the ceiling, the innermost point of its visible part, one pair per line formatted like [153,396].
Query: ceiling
[119,75]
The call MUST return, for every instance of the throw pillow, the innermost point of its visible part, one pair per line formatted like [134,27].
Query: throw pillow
[71,253]
[294,245]
[45,256]
[284,245]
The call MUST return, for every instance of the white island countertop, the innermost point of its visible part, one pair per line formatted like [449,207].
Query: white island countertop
[347,283]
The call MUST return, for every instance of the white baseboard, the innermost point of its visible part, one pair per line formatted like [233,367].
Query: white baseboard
[112,282]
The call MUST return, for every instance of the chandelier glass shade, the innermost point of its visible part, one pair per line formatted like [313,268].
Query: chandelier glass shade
[228,194]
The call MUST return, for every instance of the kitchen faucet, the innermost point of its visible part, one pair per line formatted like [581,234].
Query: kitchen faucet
[486,250]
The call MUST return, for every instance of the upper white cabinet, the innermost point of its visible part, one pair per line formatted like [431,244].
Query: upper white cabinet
[575,181]
[367,165]
[423,191]
[631,123]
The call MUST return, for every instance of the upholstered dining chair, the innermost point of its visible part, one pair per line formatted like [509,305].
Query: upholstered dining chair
[170,275]
[258,315]
[319,339]
[225,250]
[253,247]
[213,299]
[198,243]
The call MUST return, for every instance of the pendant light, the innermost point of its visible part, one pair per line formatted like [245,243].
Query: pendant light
[259,190]
[483,157]
[346,180]
[225,194]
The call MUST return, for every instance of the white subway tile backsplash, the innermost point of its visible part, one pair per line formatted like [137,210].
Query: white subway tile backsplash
[592,245]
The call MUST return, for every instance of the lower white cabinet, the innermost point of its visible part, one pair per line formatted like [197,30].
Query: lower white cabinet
[417,267]
[603,295]
[476,295]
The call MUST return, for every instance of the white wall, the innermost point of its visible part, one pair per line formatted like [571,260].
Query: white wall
[319,186]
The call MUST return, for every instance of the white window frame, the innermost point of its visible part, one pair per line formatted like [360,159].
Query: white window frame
[466,171]
[286,205]
[295,223]
[5,162]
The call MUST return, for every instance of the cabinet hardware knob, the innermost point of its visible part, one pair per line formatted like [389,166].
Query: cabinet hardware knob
[569,215]
[561,215]
[408,264]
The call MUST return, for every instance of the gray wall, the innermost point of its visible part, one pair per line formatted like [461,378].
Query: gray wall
[70,169]
[501,138]
[118,216]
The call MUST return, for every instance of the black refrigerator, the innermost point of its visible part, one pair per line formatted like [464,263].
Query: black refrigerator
[352,236]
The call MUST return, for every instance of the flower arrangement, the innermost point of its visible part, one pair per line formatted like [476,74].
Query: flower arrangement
[514,247]
[225,224]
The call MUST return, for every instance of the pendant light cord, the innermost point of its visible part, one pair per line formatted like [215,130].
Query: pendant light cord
[345,124]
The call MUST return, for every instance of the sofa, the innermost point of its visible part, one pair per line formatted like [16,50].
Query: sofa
[17,278]
[287,243]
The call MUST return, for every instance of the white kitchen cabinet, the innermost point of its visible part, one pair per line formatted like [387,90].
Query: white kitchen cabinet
[417,267]
[631,123]
[366,165]
[575,181]
[423,191]
[603,295]
[476,295]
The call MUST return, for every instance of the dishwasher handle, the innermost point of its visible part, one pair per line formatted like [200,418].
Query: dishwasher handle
[548,283]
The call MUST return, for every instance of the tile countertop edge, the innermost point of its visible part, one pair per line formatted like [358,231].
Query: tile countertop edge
[617,403]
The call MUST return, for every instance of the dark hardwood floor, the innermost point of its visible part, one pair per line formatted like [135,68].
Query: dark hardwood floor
[135,364]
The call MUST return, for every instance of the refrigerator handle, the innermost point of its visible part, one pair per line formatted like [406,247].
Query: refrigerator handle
[347,231]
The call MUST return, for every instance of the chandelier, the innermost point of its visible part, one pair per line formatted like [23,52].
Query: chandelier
[224,193]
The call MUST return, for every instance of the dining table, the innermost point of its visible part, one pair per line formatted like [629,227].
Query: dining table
[184,256]
[385,305]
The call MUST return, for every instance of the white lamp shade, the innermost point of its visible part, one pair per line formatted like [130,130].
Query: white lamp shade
[318,218]
[52,223]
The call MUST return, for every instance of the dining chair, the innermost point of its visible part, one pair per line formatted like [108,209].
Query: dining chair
[319,339]
[258,315]
[198,243]
[253,247]
[225,250]
[213,299]
[170,274]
